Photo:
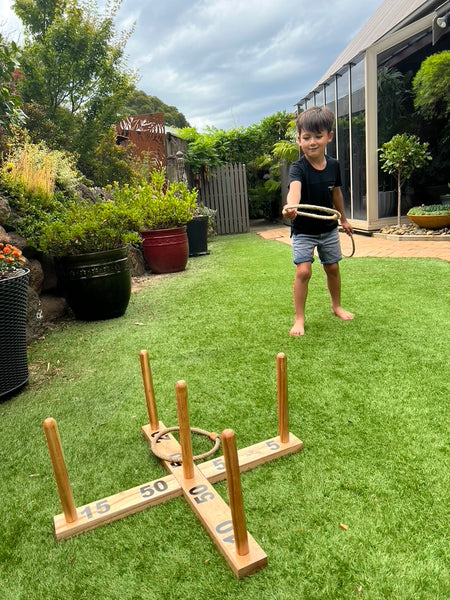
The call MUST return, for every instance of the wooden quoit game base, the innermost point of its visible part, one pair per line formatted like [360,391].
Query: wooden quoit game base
[225,524]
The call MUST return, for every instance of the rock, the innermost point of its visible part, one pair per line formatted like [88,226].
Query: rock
[5,210]
[4,237]
[53,308]
[35,325]
[50,278]
[36,274]
[136,262]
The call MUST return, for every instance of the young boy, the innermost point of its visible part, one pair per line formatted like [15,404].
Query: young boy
[315,179]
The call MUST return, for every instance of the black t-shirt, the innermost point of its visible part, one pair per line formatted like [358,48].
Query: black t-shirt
[317,189]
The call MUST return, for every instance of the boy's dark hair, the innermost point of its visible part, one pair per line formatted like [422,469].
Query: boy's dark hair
[315,120]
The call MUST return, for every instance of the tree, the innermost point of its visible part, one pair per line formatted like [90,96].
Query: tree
[431,84]
[402,155]
[10,102]
[73,66]
[140,103]
[392,88]
[287,150]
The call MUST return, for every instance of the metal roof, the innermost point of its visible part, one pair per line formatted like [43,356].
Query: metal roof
[389,17]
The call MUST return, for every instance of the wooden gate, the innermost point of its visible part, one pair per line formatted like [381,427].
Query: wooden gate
[225,190]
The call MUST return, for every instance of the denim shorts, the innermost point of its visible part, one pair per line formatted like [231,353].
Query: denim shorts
[328,247]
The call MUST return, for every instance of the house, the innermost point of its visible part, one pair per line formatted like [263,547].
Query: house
[392,44]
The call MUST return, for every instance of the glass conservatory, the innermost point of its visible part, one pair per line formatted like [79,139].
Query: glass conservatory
[368,88]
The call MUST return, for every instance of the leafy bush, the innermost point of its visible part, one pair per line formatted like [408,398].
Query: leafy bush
[40,170]
[432,209]
[204,211]
[158,204]
[83,227]
[431,84]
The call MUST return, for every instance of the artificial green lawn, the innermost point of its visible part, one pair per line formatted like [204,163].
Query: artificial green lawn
[369,399]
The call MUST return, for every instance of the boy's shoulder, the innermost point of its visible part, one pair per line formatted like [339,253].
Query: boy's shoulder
[331,160]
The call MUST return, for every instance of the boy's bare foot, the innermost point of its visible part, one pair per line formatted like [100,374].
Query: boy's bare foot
[298,328]
[342,314]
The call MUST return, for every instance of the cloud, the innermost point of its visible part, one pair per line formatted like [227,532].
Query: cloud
[228,63]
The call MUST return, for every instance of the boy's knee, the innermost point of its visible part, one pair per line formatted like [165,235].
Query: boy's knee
[332,269]
[303,272]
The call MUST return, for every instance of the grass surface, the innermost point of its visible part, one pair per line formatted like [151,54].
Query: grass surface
[369,399]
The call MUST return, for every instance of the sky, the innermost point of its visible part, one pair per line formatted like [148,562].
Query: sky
[229,63]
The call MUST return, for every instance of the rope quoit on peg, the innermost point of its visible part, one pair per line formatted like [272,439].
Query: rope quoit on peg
[214,437]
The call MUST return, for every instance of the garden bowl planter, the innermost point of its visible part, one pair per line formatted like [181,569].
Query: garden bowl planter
[165,250]
[13,316]
[97,286]
[430,221]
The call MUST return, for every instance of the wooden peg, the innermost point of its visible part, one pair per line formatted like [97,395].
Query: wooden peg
[148,389]
[185,430]
[60,470]
[235,492]
[282,393]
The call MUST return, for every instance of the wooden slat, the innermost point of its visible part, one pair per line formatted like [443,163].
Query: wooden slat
[212,511]
[226,192]
[152,493]
[215,516]
[117,506]
[249,458]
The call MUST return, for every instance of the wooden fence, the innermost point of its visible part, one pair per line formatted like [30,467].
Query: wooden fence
[225,190]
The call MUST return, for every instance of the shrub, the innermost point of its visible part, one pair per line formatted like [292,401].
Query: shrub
[160,205]
[432,209]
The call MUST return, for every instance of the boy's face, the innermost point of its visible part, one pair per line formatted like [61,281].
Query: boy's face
[313,145]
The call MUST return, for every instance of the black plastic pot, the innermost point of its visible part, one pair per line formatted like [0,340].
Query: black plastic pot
[197,233]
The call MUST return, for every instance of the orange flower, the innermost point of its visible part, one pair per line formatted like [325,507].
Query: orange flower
[10,259]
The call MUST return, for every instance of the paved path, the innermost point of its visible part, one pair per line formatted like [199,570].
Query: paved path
[365,245]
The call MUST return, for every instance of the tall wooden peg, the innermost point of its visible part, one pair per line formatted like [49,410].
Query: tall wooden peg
[185,430]
[235,492]
[283,411]
[148,389]
[60,470]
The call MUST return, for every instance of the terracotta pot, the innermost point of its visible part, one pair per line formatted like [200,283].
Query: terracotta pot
[165,250]
[13,321]
[430,221]
[97,286]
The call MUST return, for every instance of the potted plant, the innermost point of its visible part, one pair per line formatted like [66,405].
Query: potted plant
[165,209]
[402,155]
[13,311]
[86,236]
[89,241]
[433,216]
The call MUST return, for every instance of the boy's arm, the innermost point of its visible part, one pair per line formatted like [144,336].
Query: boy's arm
[338,202]
[292,198]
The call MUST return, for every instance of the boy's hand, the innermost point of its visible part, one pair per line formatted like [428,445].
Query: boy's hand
[289,212]
[346,227]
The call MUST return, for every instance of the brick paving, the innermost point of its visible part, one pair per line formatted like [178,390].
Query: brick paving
[365,245]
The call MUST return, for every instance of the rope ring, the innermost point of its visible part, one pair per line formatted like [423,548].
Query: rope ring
[214,437]
[331,213]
